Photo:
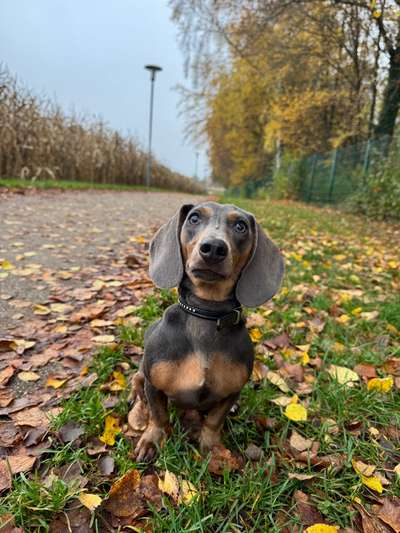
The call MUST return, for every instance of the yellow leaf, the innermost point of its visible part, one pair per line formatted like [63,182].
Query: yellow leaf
[169,485]
[28,376]
[305,359]
[339,347]
[372,483]
[119,382]
[321,528]
[91,501]
[397,469]
[303,347]
[392,329]
[6,265]
[104,339]
[39,309]
[393,264]
[55,383]
[356,311]
[343,375]
[60,308]
[276,380]
[188,492]
[380,384]
[296,412]
[255,334]
[343,319]
[111,429]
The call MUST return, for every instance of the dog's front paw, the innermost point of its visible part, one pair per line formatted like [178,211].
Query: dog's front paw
[137,390]
[208,439]
[147,445]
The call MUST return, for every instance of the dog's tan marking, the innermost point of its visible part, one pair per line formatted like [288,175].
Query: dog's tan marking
[222,376]
[172,377]
[225,377]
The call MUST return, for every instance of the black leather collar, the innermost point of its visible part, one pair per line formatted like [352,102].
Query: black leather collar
[223,320]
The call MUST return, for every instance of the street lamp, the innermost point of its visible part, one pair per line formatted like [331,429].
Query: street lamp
[153,70]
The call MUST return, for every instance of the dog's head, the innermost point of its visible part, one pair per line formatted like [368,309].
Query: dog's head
[220,248]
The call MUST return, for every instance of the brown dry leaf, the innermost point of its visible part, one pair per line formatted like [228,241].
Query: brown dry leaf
[89,312]
[306,511]
[365,370]
[103,339]
[19,463]
[123,499]
[6,374]
[70,431]
[28,376]
[392,366]
[299,476]
[6,397]
[9,434]
[260,371]
[138,416]
[362,468]
[255,320]
[299,443]
[389,512]
[281,341]
[282,401]
[106,465]
[5,476]
[33,417]
[222,459]
[370,523]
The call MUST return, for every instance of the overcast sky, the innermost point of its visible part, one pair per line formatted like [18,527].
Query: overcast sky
[89,55]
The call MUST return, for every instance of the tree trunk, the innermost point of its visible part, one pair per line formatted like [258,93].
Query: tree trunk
[391,97]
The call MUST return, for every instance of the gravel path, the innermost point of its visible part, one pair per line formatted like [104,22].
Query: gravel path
[46,232]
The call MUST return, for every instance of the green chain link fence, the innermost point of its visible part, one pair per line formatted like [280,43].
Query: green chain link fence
[327,177]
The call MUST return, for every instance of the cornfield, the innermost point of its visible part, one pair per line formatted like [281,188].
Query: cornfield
[39,141]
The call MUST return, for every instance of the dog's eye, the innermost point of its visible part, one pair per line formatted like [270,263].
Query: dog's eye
[194,218]
[240,226]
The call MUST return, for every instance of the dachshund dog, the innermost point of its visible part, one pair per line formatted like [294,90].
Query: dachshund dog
[199,354]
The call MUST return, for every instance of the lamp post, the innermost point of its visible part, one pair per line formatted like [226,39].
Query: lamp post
[153,70]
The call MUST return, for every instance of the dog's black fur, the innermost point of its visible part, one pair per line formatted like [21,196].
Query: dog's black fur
[219,257]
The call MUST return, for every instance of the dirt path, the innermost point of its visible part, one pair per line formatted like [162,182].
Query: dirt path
[68,259]
[51,232]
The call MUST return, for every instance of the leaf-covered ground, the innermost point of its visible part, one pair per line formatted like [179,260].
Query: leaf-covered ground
[313,446]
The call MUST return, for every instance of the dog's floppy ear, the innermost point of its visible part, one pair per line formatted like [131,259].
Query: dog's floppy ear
[262,276]
[166,267]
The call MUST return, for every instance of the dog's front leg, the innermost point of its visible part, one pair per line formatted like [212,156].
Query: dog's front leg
[211,431]
[155,431]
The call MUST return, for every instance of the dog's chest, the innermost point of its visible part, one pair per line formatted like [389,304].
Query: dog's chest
[198,371]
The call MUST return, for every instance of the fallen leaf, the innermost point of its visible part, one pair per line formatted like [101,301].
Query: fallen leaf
[390,512]
[380,384]
[5,476]
[70,431]
[33,417]
[306,511]
[111,429]
[123,499]
[188,492]
[300,477]
[282,401]
[299,443]
[103,339]
[362,468]
[222,459]
[55,383]
[39,309]
[255,334]
[372,483]
[322,528]
[106,465]
[169,485]
[6,374]
[276,380]
[343,375]
[138,416]
[296,412]
[91,501]
[19,463]
[28,376]
[260,371]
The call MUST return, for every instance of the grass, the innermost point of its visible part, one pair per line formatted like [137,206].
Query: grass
[336,265]
[15,183]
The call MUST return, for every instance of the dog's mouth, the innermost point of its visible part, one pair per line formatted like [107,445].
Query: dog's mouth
[206,274]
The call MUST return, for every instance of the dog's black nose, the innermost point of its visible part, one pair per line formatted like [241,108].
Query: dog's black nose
[213,251]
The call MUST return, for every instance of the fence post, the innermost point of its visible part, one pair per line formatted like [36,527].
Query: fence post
[313,165]
[332,175]
[366,159]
